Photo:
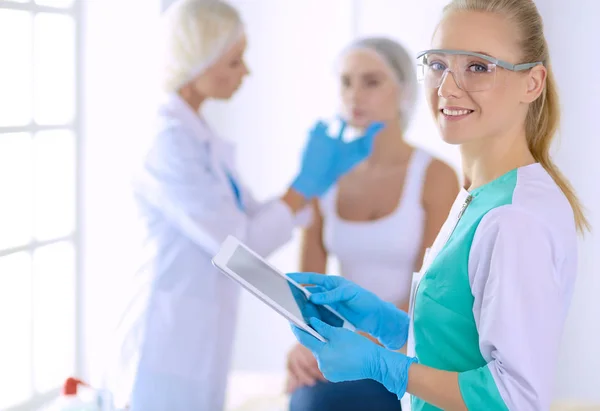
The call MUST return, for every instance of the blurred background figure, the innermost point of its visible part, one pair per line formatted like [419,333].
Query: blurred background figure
[191,198]
[379,219]
[78,98]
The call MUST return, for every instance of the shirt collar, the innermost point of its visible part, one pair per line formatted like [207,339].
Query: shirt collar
[175,107]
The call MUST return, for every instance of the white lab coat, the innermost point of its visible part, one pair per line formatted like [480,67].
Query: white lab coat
[183,332]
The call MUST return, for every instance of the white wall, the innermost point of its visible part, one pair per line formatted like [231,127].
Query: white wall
[573,34]
[118,110]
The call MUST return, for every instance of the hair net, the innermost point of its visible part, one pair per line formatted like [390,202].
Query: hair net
[402,66]
[195,34]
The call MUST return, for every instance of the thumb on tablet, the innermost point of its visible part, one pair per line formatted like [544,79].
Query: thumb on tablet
[324,329]
[308,340]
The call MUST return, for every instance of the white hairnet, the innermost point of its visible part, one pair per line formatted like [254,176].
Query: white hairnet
[402,66]
[195,34]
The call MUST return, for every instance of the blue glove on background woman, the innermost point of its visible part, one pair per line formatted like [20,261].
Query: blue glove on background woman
[326,158]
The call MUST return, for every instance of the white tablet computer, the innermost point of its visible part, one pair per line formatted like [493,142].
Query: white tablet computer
[274,288]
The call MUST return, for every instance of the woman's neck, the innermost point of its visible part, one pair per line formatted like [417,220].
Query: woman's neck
[192,98]
[484,161]
[389,147]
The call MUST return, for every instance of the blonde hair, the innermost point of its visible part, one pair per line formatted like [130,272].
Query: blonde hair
[543,118]
[195,34]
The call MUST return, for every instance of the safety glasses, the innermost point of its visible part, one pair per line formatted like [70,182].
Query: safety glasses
[472,71]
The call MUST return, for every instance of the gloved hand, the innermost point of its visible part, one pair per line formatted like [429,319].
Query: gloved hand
[362,308]
[347,356]
[326,158]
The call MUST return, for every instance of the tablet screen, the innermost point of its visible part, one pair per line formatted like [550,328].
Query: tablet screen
[277,288]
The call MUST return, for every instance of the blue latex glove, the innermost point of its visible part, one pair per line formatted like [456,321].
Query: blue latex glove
[362,308]
[326,158]
[347,356]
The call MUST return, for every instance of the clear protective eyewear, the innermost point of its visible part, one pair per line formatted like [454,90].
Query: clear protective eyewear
[471,71]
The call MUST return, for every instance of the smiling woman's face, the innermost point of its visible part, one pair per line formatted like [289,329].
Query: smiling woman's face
[465,116]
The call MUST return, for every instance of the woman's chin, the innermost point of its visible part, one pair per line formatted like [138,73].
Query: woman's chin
[359,123]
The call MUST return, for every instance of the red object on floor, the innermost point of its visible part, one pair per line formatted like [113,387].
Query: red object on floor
[71,384]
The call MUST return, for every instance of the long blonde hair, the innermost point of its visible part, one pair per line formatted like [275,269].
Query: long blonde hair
[543,117]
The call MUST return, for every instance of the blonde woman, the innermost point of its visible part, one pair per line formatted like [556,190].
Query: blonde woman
[488,311]
[191,197]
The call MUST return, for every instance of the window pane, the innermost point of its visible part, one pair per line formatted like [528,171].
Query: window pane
[54,315]
[15,70]
[16,210]
[54,200]
[15,329]
[54,68]
[55,3]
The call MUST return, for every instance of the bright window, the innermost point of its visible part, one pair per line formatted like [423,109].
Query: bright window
[38,198]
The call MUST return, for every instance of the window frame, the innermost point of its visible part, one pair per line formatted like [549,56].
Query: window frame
[39,399]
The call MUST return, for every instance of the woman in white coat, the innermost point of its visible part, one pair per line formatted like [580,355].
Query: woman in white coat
[191,198]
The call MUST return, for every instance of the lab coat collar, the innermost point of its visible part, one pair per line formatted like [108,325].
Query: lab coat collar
[175,107]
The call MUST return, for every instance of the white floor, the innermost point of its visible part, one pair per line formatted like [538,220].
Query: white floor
[249,391]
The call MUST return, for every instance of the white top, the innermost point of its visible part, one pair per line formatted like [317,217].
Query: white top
[380,255]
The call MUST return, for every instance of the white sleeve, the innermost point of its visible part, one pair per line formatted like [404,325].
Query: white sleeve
[252,207]
[178,180]
[520,305]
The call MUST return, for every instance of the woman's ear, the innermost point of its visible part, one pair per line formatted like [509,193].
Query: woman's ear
[536,81]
